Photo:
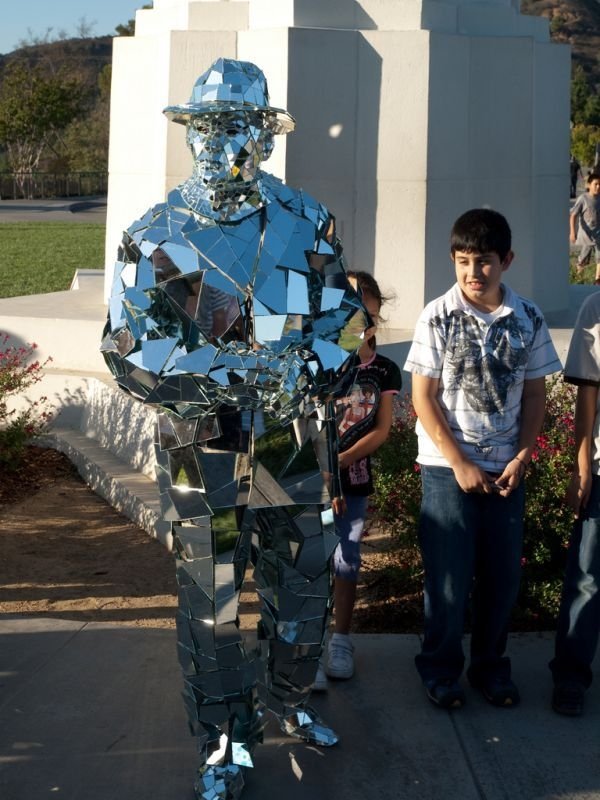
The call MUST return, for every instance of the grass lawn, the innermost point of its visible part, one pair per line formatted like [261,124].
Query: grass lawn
[40,257]
[586,275]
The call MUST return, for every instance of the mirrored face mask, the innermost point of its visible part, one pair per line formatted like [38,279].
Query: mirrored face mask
[229,147]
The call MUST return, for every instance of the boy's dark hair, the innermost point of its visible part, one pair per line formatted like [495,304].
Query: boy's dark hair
[481,230]
[593,176]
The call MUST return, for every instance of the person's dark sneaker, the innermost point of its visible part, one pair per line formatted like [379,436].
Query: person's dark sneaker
[446,694]
[568,698]
[498,691]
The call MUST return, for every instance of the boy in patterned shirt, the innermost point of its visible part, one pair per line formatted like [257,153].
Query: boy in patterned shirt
[478,361]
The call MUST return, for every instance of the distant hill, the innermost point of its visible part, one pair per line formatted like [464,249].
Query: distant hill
[576,22]
[84,57]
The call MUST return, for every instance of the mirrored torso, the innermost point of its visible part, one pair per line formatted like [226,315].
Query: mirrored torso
[253,311]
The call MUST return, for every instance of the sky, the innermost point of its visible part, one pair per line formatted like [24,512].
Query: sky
[16,16]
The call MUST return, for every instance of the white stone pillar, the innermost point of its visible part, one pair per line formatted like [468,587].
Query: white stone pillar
[174,43]
[409,112]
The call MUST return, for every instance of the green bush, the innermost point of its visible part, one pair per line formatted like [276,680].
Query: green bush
[548,519]
[584,139]
[17,373]
[397,478]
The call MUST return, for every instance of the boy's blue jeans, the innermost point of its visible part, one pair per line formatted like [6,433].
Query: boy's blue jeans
[579,615]
[471,547]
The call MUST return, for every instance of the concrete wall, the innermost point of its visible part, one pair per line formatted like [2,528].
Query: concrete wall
[498,136]
[409,112]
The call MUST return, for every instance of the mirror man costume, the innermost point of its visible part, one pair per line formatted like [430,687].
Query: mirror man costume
[231,312]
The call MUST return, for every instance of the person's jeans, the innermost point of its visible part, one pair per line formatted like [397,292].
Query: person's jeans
[579,616]
[350,527]
[471,547]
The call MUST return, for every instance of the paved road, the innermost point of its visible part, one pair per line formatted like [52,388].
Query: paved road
[79,209]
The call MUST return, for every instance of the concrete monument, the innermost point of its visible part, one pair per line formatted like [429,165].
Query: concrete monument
[410,112]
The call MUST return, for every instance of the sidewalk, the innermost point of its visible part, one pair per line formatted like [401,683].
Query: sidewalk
[92,711]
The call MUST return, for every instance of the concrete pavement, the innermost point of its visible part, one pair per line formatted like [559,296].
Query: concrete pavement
[72,209]
[93,711]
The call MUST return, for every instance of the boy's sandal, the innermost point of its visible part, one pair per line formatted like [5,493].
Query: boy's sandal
[446,694]
[498,691]
[501,692]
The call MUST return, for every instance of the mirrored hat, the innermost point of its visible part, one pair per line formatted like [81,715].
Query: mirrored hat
[230,85]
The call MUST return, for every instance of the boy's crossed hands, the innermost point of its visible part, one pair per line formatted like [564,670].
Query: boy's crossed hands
[472,478]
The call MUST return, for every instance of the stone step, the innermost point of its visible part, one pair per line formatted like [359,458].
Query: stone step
[120,424]
[91,404]
[61,393]
[65,326]
[133,494]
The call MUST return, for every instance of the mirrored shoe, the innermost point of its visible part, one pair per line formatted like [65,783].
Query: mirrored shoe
[305,723]
[224,782]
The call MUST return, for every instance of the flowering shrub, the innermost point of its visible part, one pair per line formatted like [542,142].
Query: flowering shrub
[397,478]
[17,373]
[548,520]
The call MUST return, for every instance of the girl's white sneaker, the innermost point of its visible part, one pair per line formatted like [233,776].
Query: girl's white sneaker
[340,657]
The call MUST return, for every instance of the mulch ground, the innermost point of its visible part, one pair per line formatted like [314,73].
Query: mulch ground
[66,553]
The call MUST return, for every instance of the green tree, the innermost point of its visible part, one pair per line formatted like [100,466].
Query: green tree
[584,139]
[580,93]
[86,138]
[35,109]
[585,104]
[557,24]
[592,110]
[128,29]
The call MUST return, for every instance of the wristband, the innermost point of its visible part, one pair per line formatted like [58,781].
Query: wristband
[520,460]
